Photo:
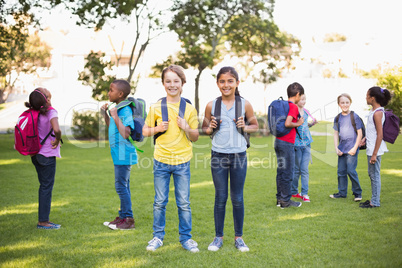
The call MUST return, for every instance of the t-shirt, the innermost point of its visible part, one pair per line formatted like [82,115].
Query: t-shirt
[347,134]
[173,147]
[121,149]
[304,138]
[293,112]
[44,127]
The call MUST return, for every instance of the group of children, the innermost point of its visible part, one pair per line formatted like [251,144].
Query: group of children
[228,119]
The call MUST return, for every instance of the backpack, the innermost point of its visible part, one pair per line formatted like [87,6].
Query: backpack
[352,120]
[238,108]
[165,115]
[278,111]
[26,136]
[139,114]
[390,128]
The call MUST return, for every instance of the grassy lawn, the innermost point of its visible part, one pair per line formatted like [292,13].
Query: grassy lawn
[325,232]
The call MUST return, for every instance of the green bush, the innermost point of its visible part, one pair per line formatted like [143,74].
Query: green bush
[88,125]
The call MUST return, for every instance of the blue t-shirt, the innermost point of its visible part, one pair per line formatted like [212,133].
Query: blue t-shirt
[347,134]
[122,151]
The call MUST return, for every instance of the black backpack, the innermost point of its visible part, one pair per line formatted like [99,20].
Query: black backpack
[217,115]
[165,115]
[352,120]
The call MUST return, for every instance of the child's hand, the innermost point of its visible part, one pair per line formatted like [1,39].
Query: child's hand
[240,122]
[163,126]
[213,124]
[352,152]
[104,109]
[182,123]
[300,121]
[113,112]
[362,142]
[55,143]
[338,152]
[373,159]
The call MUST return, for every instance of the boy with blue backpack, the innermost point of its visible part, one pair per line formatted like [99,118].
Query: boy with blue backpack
[124,155]
[283,119]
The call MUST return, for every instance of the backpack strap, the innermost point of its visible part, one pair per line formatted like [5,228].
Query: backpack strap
[352,120]
[217,115]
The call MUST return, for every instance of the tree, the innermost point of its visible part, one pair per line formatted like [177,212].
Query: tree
[210,29]
[145,14]
[20,52]
[392,80]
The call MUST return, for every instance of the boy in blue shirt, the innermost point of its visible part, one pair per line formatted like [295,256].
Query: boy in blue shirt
[120,123]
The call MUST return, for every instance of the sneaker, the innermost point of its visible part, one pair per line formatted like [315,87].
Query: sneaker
[358,198]
[367,205]
[154,244]
[298,195]
[290,203]
[278,204]
[114,222]
[126,224]
[240,245]
[306,198]
[216,244]
[50,227]
[54,224]
[337,195]
[190,245]
[367,202]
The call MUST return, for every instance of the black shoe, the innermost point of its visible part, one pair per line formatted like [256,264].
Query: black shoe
[367,206]
[278,204]
[290,203]
[337,195]
[367,202]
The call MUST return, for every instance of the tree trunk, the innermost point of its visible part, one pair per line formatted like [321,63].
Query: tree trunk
[197,85]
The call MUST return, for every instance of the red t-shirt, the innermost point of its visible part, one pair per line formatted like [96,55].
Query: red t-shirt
[293,112]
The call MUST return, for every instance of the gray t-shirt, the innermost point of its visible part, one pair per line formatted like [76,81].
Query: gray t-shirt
[347,134]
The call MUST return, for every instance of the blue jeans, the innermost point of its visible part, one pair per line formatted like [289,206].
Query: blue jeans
[375,177]
[46,169]
[302,159]
[122,185]
[181,178]
[347,167]
[223,165]
[285,155]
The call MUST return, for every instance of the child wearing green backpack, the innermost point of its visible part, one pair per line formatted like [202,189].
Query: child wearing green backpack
[121,124]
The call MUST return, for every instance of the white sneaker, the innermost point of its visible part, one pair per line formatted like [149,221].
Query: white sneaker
[154,244]
[191,246]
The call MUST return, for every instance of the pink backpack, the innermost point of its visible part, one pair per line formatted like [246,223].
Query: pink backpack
[26,134]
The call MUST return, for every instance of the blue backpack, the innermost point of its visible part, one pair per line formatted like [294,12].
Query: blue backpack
[139,114]
[278,111]
[165,115]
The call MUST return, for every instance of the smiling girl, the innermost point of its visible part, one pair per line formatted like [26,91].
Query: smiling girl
[228,154]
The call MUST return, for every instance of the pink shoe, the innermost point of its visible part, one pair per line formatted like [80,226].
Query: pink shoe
[297,196]
[305,198]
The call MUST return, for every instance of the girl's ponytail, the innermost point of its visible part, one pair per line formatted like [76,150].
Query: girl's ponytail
[382,96]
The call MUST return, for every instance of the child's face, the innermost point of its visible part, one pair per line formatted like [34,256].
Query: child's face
[297,97]
[369,99]
[173,84]
[302,101]
[227,84]
[114,93]
[344,103]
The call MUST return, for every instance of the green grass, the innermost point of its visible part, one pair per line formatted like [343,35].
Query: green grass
[325,232]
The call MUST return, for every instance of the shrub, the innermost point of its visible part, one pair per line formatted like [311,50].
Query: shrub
[88,125]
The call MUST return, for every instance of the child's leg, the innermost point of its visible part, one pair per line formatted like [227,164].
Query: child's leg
[286,162]
[220,176]
[306,156]
[181,179]
[46,169]
[354,178]
[238,171]
[342,175]
[375,177]
[297,170]
[162,175]
[122,185]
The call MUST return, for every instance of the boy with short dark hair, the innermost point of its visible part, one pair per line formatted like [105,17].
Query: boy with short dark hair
[284,149]
[121,123]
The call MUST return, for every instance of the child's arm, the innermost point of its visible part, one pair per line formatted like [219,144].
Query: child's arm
[377,117]
[336,140]
[104,114]
[290,124]
[150,131]
[123,130]
[192,134]
[357,143]
[253,123]
[209,123]
[57,132]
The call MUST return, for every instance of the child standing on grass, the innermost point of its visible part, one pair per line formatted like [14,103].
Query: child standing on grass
[124,155]
[228,154]
[302,153]
[45,160]
[172,155]
[347,149]
[284,149]
[378,98]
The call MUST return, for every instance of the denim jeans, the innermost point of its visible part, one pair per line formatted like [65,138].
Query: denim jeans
[122,185]
[347,167]
[375,177]
[285,155]
[46,169]
[223,166]
[302,159]
[181,179]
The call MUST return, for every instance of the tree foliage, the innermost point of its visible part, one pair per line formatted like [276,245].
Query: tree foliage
[208,30]
[392,80]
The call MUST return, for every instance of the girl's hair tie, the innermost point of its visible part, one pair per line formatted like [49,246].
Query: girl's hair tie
[382,90]
[37,90]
